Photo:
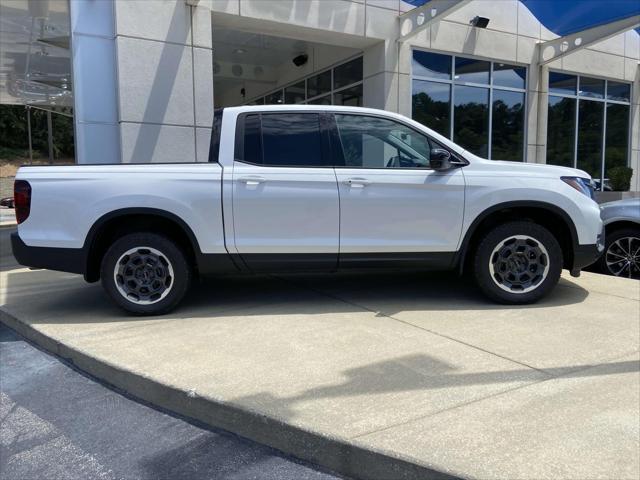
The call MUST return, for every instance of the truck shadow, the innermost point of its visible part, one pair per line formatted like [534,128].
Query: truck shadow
[65,298]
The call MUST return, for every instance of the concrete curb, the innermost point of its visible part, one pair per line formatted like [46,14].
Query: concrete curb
[335,454]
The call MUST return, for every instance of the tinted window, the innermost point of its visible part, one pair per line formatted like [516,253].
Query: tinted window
[474,71]
[590,123]
[618,91]
[591,87]
[319,84]
[508,75]
[326,100]
[347,73]
[349,96]
[432,65]
[431,105]
[252,141]
[562,83]
[214,148]
[561,131]
[274,99]
[291,139]
[508,125]
[616,150]
[471,119]
[372,142]
[295,93]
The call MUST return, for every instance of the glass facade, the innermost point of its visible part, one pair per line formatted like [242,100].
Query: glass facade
[588,124]
[340,85]
[476,103]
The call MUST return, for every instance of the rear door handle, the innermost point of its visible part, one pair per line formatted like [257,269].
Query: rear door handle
[252,180]
[357,182]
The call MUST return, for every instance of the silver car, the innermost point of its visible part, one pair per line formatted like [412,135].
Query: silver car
[621,255]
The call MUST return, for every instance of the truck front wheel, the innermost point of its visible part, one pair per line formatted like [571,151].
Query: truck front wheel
[145,273]
[517,262]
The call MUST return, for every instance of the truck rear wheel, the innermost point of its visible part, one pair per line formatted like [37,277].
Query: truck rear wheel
[145,273]
[517,263]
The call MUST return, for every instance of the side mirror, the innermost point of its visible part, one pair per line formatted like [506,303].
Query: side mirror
[439,159]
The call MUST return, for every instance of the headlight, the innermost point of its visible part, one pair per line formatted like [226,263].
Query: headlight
[583,185]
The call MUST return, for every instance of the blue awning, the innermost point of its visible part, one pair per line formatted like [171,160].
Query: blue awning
[563,17]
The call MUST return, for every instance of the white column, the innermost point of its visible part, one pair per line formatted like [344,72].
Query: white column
[537,113]
[165,80]
[380,61]
[94,81]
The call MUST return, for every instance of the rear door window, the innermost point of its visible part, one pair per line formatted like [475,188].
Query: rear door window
[292,139]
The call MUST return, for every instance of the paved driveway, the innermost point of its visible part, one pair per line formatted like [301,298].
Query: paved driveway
[417,367]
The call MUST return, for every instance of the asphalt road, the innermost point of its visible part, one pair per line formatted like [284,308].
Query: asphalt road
[56,423]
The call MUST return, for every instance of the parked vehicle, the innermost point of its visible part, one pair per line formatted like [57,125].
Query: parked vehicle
[622,239]
[308,188]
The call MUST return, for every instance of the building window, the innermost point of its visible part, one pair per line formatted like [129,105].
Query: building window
[476,103]
[340,85]
[588,124]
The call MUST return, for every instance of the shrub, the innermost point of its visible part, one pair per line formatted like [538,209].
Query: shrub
[620,178]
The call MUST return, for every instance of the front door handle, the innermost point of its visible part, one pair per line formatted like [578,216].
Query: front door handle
[252,180]
[357,182]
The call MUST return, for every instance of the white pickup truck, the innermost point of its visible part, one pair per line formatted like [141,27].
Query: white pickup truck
[308,188]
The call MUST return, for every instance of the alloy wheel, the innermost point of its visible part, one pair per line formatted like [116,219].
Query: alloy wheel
[623,257]
[143,275]
[519,264]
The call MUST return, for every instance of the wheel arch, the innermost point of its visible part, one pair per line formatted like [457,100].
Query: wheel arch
[128,220]
[548,215]
[620,224]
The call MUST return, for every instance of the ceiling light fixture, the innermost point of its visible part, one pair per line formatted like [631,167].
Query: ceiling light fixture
[239,51]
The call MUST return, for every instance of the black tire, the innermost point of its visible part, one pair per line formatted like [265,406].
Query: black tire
[532,262]
[610,251]
[160,288]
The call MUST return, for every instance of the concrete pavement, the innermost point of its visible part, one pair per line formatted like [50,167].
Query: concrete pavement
[376,376]
[7,217]
[58,423]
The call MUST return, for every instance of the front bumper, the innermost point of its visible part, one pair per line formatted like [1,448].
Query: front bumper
[585,255]
[72,260]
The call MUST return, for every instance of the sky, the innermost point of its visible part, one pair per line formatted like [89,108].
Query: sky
[567,16]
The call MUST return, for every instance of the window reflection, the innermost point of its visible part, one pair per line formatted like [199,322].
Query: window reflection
[274,99]
[472,71]
[618,91]
[562,83]
[561,131]
[431,104]
[326,100]
[347,73]
[617,140]
[508,125]
[291,139]
[433,65]
[371,142]
[295,93]
[509,75]
[351,97]
[591,87]
[590,123]
[471,119]
[319,84]
[563,146]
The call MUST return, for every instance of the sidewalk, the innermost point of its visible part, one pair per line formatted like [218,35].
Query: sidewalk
[378,376]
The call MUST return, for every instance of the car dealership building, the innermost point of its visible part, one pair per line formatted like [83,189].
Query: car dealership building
[142,77]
